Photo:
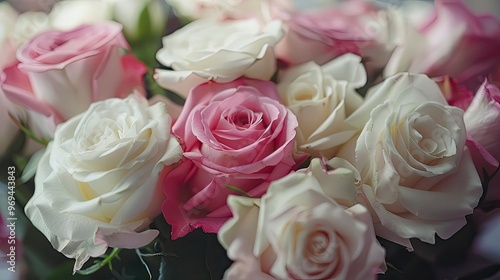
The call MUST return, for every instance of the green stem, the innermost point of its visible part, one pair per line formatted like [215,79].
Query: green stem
[100,264]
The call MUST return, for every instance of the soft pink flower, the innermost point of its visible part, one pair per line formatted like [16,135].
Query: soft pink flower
[8,130]
[235,134]
[456,94]
[482,121]
[60,73]
[495,77]
[352,27]
[459,43]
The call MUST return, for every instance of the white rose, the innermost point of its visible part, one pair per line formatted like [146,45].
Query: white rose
[70,14]
[8,18]
[99,182]
[27,26]
[15,29]
[299,231]
[221,51]
[321,97]
[419,177]
[196,9]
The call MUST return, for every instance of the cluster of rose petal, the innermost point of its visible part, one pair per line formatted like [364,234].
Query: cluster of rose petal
[305,133]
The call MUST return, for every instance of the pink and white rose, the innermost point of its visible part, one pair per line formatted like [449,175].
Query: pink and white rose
[468,52]
[456,94]
[235,134]
[60,73]
[418,176]
[322,97]
[224,9]
[356,27]
[482,120]
[99,183]
[298,230]
[8,130]
[220,51]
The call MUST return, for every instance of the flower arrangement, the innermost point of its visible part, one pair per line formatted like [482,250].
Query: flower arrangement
[266,139]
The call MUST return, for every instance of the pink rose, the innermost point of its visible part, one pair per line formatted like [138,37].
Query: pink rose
[60,73]
[235,134]
[352,27]
[469,49]
[456,94]
[482,121]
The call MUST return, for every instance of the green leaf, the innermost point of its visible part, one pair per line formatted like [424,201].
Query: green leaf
[238,190]
[144,27]
[391,266]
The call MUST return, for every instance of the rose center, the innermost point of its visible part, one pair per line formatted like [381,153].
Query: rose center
[320,247]
[56,44]
[304,92]
[104,133]
[244,118]
[431,137]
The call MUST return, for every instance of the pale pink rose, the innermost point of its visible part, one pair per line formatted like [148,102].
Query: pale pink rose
[60,73]
[495,77]
[488,6]
[455,42]
[298,230]
[224,9]
[8,130]
[234,134]
[482,120]
[351,27]
[456,94]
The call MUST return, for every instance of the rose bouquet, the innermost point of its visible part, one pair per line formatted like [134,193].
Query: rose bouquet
[268,139]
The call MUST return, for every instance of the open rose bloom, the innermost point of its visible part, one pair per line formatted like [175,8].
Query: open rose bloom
[99,182]
[234,135]
[298,230]
[259,139]
[60,73]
